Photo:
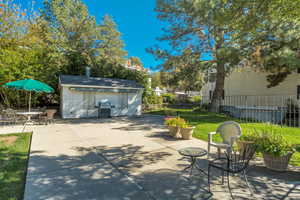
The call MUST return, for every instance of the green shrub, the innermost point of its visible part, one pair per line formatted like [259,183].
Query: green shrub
[152,98]
[169,98]
[250,136]
[176,121]
[196,99]
[273,143]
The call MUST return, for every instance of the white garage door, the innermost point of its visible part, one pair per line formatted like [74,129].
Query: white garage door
[119,102]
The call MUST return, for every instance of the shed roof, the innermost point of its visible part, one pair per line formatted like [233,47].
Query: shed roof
[97,82]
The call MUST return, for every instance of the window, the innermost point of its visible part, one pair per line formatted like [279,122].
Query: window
[298,92]
[210,94]
[298,70]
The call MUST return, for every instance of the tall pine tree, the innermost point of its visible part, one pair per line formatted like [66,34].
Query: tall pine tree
[111,46]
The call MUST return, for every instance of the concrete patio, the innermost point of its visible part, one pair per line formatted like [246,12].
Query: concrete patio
[128,159]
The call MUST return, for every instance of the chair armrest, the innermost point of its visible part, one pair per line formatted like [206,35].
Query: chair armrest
[233,139]
[210,136]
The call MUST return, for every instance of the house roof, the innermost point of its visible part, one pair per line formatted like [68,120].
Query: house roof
[97,82]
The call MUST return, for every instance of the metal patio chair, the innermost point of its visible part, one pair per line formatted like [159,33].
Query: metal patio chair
[229,132]
[234,163]
[48,116]
[8,117]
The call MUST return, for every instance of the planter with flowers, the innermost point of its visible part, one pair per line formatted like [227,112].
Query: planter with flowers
[276,150]
[186,132]
[174,124]
[179,128]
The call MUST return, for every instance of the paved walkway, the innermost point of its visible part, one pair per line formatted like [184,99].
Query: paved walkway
[131,159]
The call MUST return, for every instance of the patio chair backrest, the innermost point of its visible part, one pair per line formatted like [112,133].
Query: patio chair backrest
[10,112]
[50,113]
[229,130]
[238,161]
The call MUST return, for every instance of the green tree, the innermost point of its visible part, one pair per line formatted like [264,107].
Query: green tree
[74,33]
[200,26]
[155,80]
[224,29]
[22,53]
[111,47]
[187,70]
[135,61]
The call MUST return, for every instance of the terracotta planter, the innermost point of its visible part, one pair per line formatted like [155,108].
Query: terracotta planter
[174,131]
[187,133]
[51,112]
[242,145]
[277,163]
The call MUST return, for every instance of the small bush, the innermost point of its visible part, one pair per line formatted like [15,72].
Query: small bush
[176,121]
[169,98]
[250,136]
[196,99]
[152,98]
[273,143]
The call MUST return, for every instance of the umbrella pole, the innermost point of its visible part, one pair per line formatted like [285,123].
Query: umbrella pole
[29,105]
[29,102]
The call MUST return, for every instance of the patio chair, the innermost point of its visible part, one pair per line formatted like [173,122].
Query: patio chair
[48,116]
[229,132]
[8,117]
[234,163]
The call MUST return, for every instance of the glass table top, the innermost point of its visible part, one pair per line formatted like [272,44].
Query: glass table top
[193,151]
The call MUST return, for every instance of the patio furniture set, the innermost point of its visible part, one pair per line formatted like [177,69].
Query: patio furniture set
[231,162]
[39,116]
[10,116]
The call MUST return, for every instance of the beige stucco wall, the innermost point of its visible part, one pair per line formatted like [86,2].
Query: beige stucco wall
[247,82]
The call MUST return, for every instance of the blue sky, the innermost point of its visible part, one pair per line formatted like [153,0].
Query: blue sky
[136,21]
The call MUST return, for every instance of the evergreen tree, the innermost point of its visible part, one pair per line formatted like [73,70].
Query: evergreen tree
[136,61]
[227,30]
[111,47]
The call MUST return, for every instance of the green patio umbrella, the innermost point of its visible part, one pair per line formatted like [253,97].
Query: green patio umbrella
[29,85]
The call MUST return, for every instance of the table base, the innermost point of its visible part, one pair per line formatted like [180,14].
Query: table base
[193,165]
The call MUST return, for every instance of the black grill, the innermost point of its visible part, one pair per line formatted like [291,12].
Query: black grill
[104,109]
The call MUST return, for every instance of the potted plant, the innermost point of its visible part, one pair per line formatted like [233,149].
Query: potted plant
[276,150]
[247,141]
[174,124]
[186,131]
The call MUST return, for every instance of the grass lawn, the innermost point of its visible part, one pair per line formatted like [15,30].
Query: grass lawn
[14,150]
[206,122]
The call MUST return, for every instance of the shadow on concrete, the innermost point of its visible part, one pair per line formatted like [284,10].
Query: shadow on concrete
[275,185]
[100,173]
[145,122]
[164,135]
[134,123]
[129,157]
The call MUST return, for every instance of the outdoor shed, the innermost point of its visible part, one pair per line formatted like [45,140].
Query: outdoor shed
[92,97]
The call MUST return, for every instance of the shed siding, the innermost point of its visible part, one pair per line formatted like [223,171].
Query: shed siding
[78,104]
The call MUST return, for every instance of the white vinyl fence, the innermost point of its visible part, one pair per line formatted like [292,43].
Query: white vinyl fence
[282,110]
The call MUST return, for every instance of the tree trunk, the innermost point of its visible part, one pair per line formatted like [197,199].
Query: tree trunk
[219,88]
[220,76]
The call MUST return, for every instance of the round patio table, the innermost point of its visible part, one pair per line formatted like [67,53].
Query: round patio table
[29,115]
[193,153]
